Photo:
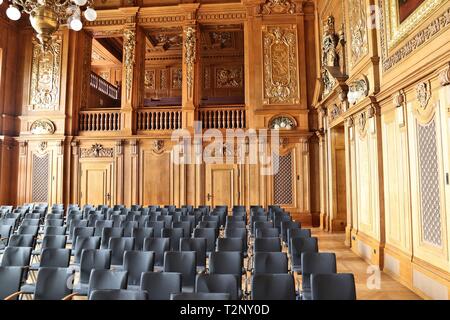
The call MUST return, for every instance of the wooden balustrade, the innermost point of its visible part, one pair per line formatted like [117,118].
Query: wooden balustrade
[100,120]
[220,117]
[158,119]
[104,86]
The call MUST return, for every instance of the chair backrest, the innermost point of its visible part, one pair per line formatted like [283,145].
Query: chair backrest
[208,224]
[157,227]
[262,225]
[109,233]
[198,245]
[267,245]
[118,294]
[297,233]
[141,220]
[230,244]
[185,225]
[53,283]
[32,216]
[316,262]
[139,234]
[5,231]
[55,258]
[74,223]
[237,233]
[166,219]
[217,283]
[128,227]
[107,279]
[10,280]
[100,224]
[159,246]
[81,232]
[85,243]
[285,225]
[200,296]
[339,286]
[267,233]
[210,234]
[273,287]
[270,262]
[160,285]
[118,246]
[184,263]
[21,240]
[93,259]
[175,234]
[32,230]
[301,245]
[16,257]
[226,262]
[230,219]
[30,222]
[54,242]
[137,262]
[54,230]
[54,222]
[235,224]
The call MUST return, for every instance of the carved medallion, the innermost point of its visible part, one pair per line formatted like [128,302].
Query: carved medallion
[97,151]
[45,77]
[158,146]
[280,65]
[229,77]
[277,7]
[335,111]
[129,46]
[282,123]
[358,89]
[42,147]
[423,94]
[362,120]
[43,126]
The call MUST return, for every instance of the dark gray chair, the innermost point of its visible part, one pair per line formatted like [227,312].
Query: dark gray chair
[186,226]
[118,294]
[267,245]
[210,234]
[107,279]
[218,283]
[141,220]
[5,233]
[118,246]
[54,230]
[238,233]
[10,280]
[159,246]
[297,233]
[273,287]
[100,224]
[128,227]
[160,285]
[285,225]
[53,283]
[226,262]
[199,246]
[339,286]
[30,223]
[157,227]
[75,223]
[267,233]
[270,262]
[54,223]
[137,262]
[200,296]
[299,246]
[81,232]
[230,244]
[85,243]
[166,219]
[59,241]
[312,263]
[28,230]
[262,225]
[91,259]
[184,263]
[175,235]
[53,258]
[109,233]
[139,234]
[21,240]
[16,257]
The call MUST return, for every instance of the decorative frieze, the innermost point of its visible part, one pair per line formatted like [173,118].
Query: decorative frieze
[97,151]
[280,65]
[277,7]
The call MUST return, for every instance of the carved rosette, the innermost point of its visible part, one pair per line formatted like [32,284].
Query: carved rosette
[97,151]
[277,7]
[43,126]
[46,77]
[280,65]
[358,30]
[190,51]
[129,45]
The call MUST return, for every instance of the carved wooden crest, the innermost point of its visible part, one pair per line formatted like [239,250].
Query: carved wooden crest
[358,89]
[97,151]
[277,7]
[158,146]
[423,94]
[43,126]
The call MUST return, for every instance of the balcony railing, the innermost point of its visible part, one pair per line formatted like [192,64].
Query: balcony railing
[158,119]
[222,117]
[100,120]
[104,86]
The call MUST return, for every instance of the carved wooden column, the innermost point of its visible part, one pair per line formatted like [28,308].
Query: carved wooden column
[348,127]
[119,180]
[191,73]
[75,196]
[134,171]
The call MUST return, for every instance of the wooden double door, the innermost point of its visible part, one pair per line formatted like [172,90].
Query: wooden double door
[222,185]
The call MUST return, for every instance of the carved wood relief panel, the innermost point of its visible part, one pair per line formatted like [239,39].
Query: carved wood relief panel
[358,30]
[280,65]
[46,77]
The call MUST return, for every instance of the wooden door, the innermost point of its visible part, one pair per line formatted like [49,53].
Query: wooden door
[222,185]
[95,186]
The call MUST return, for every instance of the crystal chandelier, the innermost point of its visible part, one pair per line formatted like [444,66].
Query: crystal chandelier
[47,15]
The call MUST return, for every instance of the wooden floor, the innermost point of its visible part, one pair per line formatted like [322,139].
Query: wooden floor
[347,261]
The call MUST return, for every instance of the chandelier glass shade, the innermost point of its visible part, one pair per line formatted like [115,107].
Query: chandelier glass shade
[46,16]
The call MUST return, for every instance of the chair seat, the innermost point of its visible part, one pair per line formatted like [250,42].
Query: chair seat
[36,252]
[133,287]
[201,269]
[158,268]
[306,295]
[187,289]
[28,288]
[81,288]
[34,266]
